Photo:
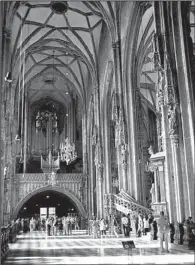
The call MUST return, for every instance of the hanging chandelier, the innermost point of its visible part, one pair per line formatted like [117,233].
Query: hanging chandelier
[68,153]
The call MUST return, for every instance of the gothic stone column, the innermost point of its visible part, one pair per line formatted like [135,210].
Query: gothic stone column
[100,197]
[178,180]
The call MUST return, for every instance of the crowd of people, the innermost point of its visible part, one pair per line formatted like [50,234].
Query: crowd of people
[141,225]
[63,225]
[52,225]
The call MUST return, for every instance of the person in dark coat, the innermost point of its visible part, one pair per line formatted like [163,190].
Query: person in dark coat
[181,233]
[136,224]
[128,225]
[155,227]
[172,232]
[150,218]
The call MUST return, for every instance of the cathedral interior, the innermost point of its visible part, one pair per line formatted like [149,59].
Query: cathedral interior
[97,108]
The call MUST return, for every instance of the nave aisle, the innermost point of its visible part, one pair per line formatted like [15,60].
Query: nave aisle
[79,248]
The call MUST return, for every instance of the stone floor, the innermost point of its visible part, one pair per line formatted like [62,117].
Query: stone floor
[79,248]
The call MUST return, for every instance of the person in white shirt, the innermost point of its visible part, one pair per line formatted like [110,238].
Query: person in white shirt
[146,224]
[163,229]
[102,227]
[124,221]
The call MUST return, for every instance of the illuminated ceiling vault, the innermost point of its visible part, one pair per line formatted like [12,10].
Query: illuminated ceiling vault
[55,50]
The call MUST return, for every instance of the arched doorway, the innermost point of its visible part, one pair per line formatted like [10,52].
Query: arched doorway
[66,197]
[49,199]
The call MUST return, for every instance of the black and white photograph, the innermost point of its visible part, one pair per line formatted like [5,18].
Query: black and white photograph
[97,132]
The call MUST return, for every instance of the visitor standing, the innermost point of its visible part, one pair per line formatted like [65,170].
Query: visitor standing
[124,221]
[140,226]
[150,220]
[32,224]
[102,227]
[48,227]
[95,228]
[115,226]
[163,229]
[129,229]
[136,225]
[146,224]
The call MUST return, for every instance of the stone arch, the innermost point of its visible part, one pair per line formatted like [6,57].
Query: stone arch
[65,192]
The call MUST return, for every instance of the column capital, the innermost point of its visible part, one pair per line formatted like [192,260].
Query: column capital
[152,167]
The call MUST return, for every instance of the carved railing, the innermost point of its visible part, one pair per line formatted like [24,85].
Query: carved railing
[74,183]
[4,241]
[125,205]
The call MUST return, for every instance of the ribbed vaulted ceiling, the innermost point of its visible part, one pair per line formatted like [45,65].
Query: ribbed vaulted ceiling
[55,52]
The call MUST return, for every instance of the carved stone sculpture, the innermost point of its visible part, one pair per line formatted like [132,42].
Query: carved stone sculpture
[152,192]
[52,179]
[150,150]
[173,119]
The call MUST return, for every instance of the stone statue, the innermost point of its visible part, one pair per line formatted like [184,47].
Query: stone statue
[5,171]
[150,150]
[98,153]
[52,179]
[124,153]
[8,206]
[6,203]
[173,119]
[152,192]
[159,133]
[160,83]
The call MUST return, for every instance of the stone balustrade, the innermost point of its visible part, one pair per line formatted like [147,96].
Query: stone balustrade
[13,231]
[113,201]
[9,235]
[4,241]
[74,183]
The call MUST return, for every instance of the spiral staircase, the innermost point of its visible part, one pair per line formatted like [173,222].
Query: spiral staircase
[125,203]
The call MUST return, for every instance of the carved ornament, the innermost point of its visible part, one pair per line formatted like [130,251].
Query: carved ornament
[173,119]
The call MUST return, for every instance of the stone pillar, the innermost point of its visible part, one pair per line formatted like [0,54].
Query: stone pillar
[107,151]
[98,160]
[100,197]
[120,120]
[186,83]
[124,167]
[85,161]
[156,185]
[69,121]
[1,72]
[177,177]
[84,142]
[166,145]
[25,132]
